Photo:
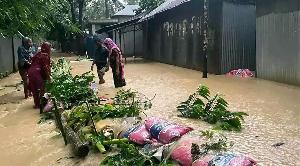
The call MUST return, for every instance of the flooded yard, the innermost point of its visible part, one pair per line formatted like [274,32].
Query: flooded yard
[273,108]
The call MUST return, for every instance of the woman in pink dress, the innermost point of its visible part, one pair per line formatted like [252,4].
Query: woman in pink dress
[39,72]
[116,62]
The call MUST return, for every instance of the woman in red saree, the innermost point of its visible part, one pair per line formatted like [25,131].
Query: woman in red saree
[39,72]
[116,62]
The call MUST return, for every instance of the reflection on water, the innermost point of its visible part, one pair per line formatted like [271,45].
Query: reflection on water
[274,111]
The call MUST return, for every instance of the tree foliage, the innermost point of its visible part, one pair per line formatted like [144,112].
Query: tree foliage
[33,17]
[96,9]
[58,19]
[149,5]
[23,17]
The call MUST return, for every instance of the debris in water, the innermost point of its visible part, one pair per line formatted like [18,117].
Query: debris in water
[14,85]
[278,144]
[58,160]
[70,157]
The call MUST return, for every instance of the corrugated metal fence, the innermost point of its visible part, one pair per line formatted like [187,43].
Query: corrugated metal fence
[8,55]
[278,40]
[175,36]
[131,40]
[238,37]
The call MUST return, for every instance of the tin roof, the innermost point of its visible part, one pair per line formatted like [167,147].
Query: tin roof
[169,4]
[103,21]
[133,20]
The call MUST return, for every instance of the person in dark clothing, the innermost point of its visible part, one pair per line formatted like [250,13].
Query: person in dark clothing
[100,59]
[24,57]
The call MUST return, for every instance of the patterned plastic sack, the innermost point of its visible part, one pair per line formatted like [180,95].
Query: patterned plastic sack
[164,131]
[137,134]
[226,159]
[181,150]
[48,106]
[241,73]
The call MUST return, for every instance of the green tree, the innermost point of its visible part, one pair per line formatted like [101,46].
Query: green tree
[149,5]
[98,9]
[62,25]
[23,17]
[34,17]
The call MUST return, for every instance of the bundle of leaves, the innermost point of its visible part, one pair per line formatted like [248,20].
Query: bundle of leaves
[60,67]
[79,117]
[216,142]
[68,89]
[127,103]
[132,102]
[114,111]
[130,155]
[132,98]
[213,110]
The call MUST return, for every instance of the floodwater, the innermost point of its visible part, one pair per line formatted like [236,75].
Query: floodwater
[273,108]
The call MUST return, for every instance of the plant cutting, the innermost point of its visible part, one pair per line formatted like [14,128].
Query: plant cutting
[68,89]
[213,110]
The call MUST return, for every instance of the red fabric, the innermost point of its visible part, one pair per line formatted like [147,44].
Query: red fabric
[241,73]
[46,48]
[39,72]
[116,57]
[41,64]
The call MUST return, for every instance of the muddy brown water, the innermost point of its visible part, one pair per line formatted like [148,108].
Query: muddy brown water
[273,108]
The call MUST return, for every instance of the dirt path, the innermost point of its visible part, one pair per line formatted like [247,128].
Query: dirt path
[274,111]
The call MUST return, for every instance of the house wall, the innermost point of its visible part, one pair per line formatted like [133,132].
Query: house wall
[175,36]
[278,40]
[238,37]
[8,54]
[128,41]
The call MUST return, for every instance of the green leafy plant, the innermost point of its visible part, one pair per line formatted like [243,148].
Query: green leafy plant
[131,97]
[216,143]
[79,117]
[129,155]
[68,89]
[127,103]
[212,110]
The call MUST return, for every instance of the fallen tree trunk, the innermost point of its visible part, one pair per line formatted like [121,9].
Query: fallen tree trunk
[79,147]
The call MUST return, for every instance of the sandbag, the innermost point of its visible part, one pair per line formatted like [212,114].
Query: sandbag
[225,159]
[165,131]
[137,134]
[49,106]
[181,150]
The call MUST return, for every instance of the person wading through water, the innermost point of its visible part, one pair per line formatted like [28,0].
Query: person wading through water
[39,73]
[100,59]
[24,63]
[116,62]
